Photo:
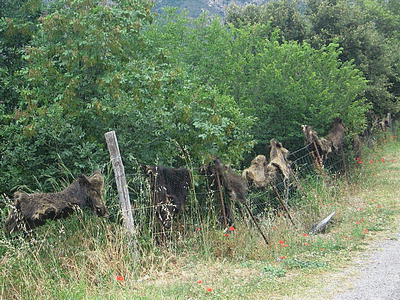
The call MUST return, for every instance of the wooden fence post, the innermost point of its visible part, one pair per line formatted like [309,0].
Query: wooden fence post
[122,187]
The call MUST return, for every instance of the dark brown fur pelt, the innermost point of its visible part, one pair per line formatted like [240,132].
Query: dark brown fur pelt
[169,188]
[32,210]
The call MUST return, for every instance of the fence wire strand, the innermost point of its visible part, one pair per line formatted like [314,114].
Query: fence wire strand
[204,205]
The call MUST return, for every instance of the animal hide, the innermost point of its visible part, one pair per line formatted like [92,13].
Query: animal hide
[169,188]
[32,210]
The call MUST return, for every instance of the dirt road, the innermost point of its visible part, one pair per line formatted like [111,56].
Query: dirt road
[375,274]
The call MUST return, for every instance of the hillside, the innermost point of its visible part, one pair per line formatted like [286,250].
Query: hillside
[196,7]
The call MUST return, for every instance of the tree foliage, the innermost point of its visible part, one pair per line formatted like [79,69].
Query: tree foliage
[366,30]
[353,27]
[89,71]
[174,87]
[18,21]
[285,15]
[282,84]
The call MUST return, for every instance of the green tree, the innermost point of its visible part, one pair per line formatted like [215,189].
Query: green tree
[286,85]
[18,20]
[91,69]
[385,14]
[285,15]
[386,17]
[17,25]
[366,30]
[356,32]
[281,84]
[74,66]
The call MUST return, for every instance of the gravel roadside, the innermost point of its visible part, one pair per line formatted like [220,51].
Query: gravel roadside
[375,274]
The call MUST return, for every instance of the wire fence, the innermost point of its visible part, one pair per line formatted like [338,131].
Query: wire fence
[203,205]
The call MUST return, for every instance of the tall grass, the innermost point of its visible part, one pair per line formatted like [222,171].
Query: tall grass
[86,257]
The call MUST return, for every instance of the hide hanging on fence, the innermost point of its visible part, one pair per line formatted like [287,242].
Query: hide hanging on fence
[222,176]
[261,174]
[235,186]
[169,189]
[333,142]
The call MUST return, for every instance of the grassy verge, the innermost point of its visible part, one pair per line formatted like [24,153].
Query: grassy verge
[85,257]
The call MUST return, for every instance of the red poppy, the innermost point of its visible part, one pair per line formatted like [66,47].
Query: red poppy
[305,234]
[231,228]
[307,244]
[209,289]
[120,278]
[358,158]
[197,229]
[383,160]
[372,199]
[358,222]
[281,242]
[365,231]
[282,257]
[392,160]
[226,234]
[360,209]
[371,161]
[199,281]
[360,162]
[373,173]
[285,245]
[322,249]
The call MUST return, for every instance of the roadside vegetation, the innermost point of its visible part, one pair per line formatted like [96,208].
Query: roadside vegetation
[91,258]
